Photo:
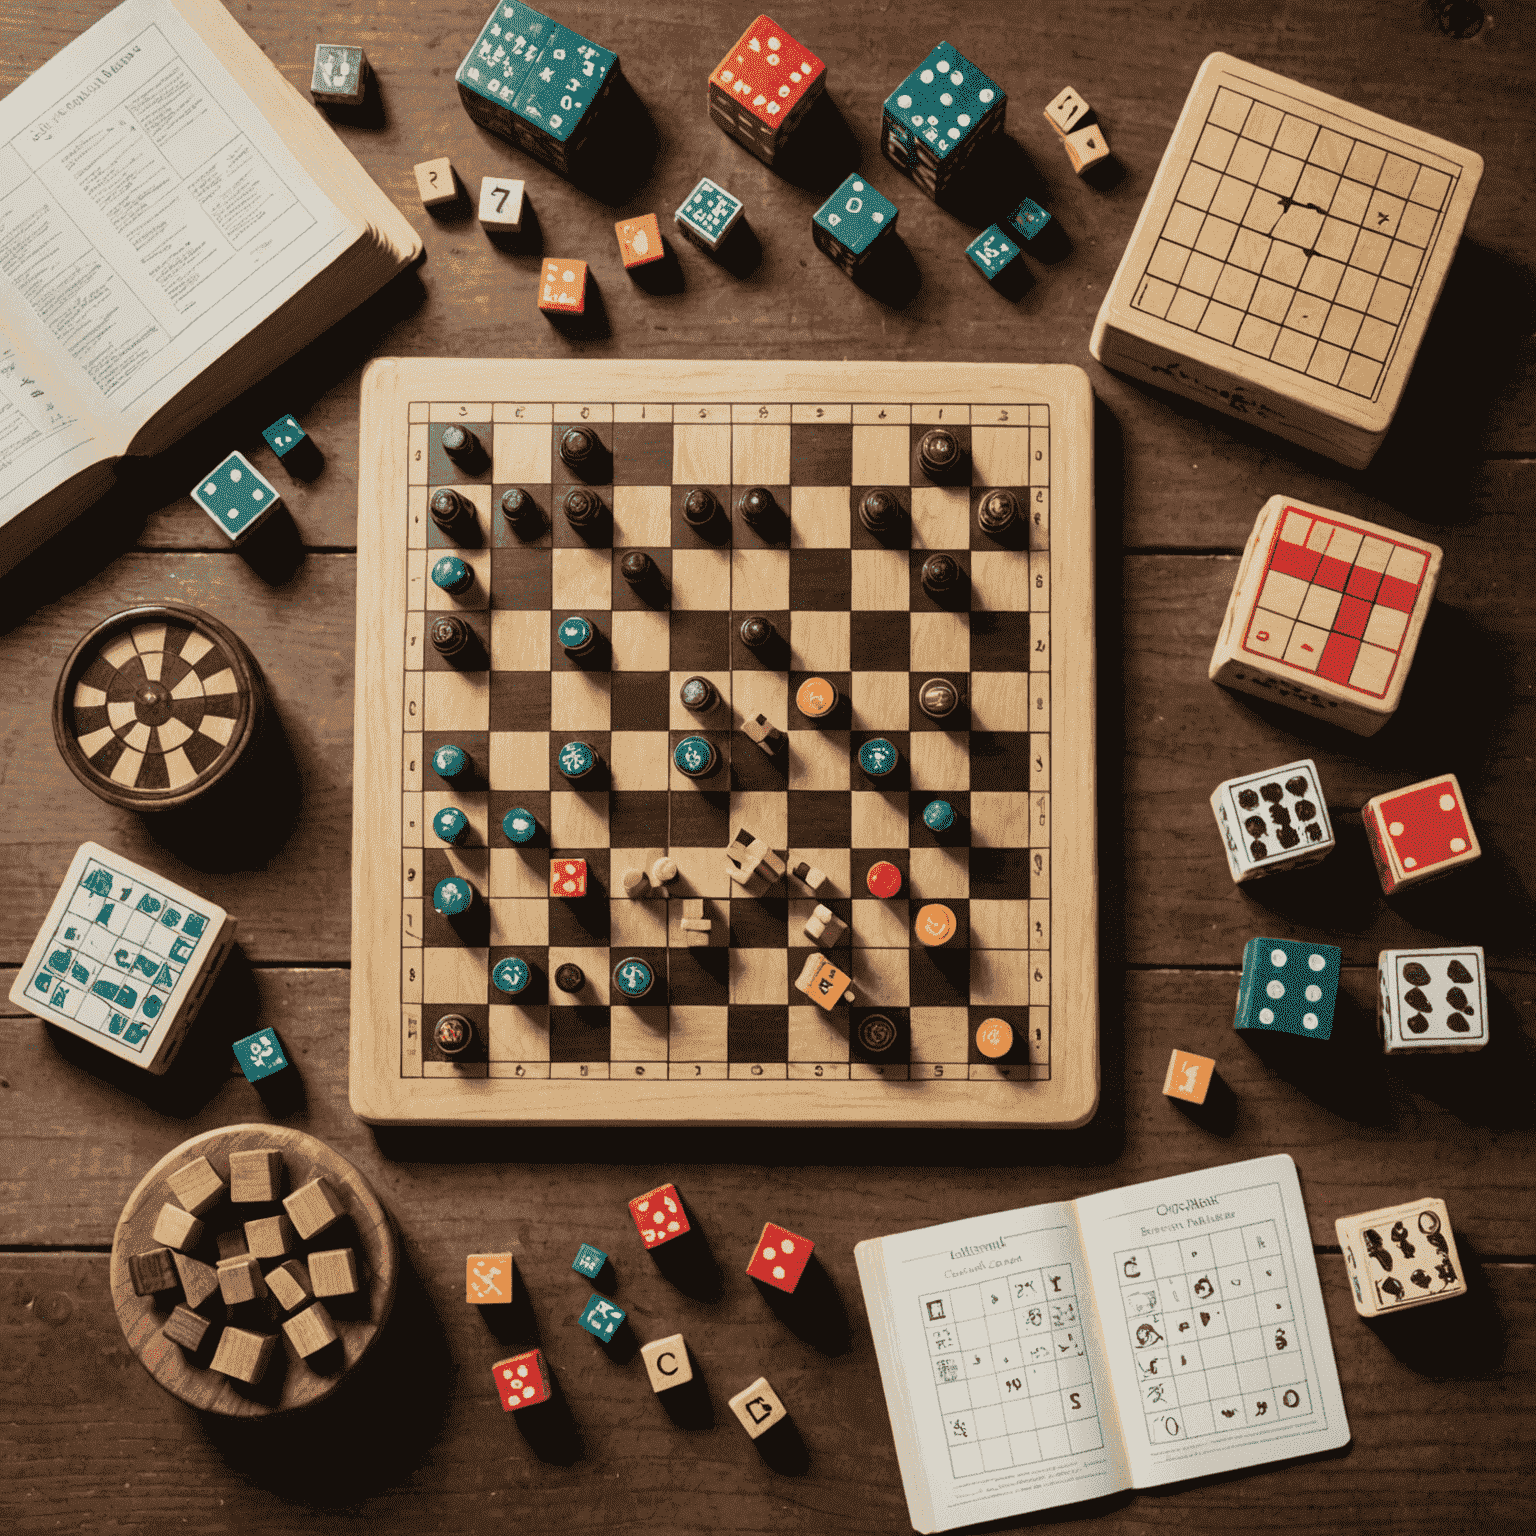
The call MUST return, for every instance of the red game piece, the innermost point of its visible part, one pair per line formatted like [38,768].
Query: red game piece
[639,241]
[567,877]
[522,1380]
[659,1215]
[563,287]
[1420,832]
[764,85]
[884,879]
[780,1258]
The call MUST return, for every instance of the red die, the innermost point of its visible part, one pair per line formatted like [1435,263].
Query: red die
[1420,832]
[780,1258]
[567,877]
[659,1215]
[522,1380]
[639,240]
[769,74]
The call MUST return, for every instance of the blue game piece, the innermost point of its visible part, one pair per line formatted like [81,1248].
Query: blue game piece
[633,977]
[992,251]
[576,759]
[938,815]
[452,575]
[576,635]
[450,824]
[453,896]
[1288,987]
[600,1317]
[236,497]
[448,762]
[936,117]
[285,434]
[260,1055]
[847,225]
[519,825]
[510,974]
[877,757]
[708,214]
[589,1261]
[1028,219]
[696,757]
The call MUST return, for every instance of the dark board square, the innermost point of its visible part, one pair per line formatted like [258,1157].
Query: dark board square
[520,701]
[820,818]
[479,1047]
[472,929]
[441,470]
[821,580]
[640,701]
[521,578]
[999,642]
[698,978]
[700,818]
[637,818]
[753,769]
[820,454]
[880,642]
[654,956]
[1018,1018]
[536,803]
[477,747]
[653,595]
[887,1043]
[579,922]
[642,453]
[1000,760]
[536,957]
[773,657]
[999,872]
[757,1032]
[475,657]
[579,1034]
[759,922]
[700,640]
[892,785]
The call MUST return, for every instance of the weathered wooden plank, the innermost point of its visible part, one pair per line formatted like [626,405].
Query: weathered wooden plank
[1440,1409]
[84,1129]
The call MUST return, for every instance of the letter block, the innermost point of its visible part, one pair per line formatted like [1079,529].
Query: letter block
[1401,1256]
[667,1362]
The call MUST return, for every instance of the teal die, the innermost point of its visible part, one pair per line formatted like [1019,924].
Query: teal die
[589,1261]
[340,76]
[1028,219]
[938,114]
[993,252]
[285,434]
[708,214]
[236,497]
[601,1318]
[260,1055]
[557,93]
[1289,988]
[849,223]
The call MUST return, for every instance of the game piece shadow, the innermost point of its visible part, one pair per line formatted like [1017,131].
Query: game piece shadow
[368,113]
[662,276]
[688,1405]
[997,177]
[515,1322]
[622,1347]
[356,1442]
[591,324]
[890,275]
[528,241]
[688,1264]
[783,1448]
[1345,1074]
[821,151]
[616,161]
[1014,281]
[549,1429]
[1464,1338]
[741,252]
[813,1311]
[1104,176]
[1218,1115]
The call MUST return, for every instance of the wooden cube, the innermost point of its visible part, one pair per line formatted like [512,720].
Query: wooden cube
[1401,1256]
[289,1282]
[757,1408]
[1288,987]
[152,1272]
[567,877]
[198,1280]
[177,1228]
[1419,833]
[241,1280]
[639,241]
[563,287]
[230,1243]
[1067,111]
[1086,147]
[197,1186]
[243,1355]
[269,1237]
[522,1381]
[501,205]
[601,1318]
[255,1175]
[314,1207]
[333,1272]
[1189,1076]
[437,183]
[187,1328]
[340,75]
[310,1330]
[1325,614]
[666,1362]
[260,1055]
[488,1279]
[780,1257]
[1273,821]
[823,983]
[659,1216]
[1432,1001]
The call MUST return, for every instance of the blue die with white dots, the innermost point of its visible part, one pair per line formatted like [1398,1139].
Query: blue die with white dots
[1028,219]
[993,252]
[938,115]
[601,1317]
[849,223]
[708,214]
[589,1261]
[236,496]
[1289,988]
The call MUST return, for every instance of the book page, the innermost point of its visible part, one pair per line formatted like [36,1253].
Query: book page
[149,215]
[1213,1320]
[993,1371]
[43,437]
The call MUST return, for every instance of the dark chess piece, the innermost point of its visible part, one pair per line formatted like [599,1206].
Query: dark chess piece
[450,634]
[700,507]
[570,978]
[938,698]
[698,694]
[998,512]
[582,508]
[757,632]
[452,511]
[452,1034]
[462,446]
[880,510]
[518,509]
[757,506]
[939,454]
[579,447]
[941,575]
[638,569]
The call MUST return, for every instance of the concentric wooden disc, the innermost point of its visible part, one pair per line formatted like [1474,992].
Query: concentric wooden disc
[156,705]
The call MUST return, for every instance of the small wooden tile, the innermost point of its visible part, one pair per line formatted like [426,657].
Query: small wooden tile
[198,1280]
[436,183]
[197,1186]
[780,1257]
[757,1408]
[310,1330]
[563,287]
[1067,111]
[501,205]
[270,1237]
[177,1228]
[333,1272]
[1189,1076]
[244,1355]
[314,1207]
[241,1280]
[1086,147]
[666,1362]
[1401,1256]
[639,241]
[255,1175]
[289,1282]
[187,1328]
[659,1215]
[488,1279]
[152,1272]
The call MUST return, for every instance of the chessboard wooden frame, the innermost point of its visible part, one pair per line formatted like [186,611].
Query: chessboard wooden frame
[380,1094]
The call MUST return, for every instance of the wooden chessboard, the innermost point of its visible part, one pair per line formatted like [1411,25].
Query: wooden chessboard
[723,1036]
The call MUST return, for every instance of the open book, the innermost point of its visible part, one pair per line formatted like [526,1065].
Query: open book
[175,220]
[1063,1352]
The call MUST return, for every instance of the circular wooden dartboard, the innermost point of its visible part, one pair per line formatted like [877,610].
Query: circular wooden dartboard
[156,705]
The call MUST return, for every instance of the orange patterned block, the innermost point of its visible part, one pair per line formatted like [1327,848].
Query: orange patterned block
[639,240]
[567,877]
[823,983]
[1189,1076]
[563,287]
[488,1279]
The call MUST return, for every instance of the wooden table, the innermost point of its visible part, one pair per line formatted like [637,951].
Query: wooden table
[1443,1411]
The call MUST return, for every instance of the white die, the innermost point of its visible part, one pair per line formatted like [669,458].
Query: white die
[1432,1000]
[1273,821]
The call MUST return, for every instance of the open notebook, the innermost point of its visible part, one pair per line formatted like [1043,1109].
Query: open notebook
[175,220]
[1062,1352]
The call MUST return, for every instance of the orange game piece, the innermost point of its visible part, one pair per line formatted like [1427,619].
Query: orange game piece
[1189,1076]
[815,697]
[825,985]
[563,287]
[567,877]
[994,1038]
[639,240]
[935,924]
[884,879]
[488,1279]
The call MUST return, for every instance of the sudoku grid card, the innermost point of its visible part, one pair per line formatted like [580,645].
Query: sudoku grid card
[124,958]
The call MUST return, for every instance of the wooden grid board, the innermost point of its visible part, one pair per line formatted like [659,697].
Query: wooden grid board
[724,1036]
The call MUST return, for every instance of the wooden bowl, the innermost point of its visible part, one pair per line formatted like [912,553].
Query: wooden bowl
[289,1381]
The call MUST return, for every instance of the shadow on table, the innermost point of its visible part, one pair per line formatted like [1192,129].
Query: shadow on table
[1465,1338]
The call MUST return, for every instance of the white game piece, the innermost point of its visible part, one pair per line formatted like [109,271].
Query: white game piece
[124,959]
[765,736]
[757,1408]
[810,875]
[825,924]
[436,182]
[696,925]
[1066,111]
[501,205]
[1432,1001]
[663,870]
[634,882]
[1287,259]
[1086,147]
[763,854]
[1294,634]
[1401,1256]
[1273,821]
